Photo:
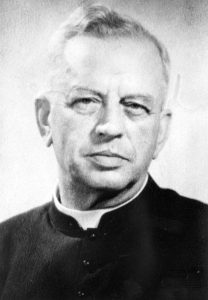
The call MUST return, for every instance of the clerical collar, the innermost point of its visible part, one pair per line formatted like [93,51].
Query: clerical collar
[90,218]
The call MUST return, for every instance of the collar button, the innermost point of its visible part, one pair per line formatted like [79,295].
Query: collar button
[92,236]
[86,262]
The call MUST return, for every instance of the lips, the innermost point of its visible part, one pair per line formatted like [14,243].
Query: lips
[107,160]
[107,153]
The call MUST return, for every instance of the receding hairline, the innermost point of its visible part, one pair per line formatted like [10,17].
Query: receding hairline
[103,23]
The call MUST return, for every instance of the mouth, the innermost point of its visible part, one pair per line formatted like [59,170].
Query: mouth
[107,153]
[107,159]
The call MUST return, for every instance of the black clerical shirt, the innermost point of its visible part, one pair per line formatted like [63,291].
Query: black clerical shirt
[154,248]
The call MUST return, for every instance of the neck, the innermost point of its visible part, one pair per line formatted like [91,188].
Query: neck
[76,195]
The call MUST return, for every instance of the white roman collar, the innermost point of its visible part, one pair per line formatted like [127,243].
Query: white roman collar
[91,218]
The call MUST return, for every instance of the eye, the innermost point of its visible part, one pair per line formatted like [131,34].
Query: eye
[135,108]
[85,105]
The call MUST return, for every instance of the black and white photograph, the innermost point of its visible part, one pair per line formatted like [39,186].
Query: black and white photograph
[104,150]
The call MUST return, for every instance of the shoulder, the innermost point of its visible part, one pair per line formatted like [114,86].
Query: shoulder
[169,203]
[18,235]
[178,217]
[181,233]
[22,223]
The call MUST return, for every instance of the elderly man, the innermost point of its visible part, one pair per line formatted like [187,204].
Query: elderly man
[110,231]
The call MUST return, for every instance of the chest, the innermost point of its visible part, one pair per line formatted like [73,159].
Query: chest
[131,264]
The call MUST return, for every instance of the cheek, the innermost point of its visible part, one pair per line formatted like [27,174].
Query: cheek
[69,130]
[144,138]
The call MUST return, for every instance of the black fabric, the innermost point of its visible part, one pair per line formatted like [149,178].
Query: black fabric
[154,248]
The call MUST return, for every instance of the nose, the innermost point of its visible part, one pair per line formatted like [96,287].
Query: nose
[110,124]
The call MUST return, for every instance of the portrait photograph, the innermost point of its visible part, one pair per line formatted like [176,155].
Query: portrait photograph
[103,149]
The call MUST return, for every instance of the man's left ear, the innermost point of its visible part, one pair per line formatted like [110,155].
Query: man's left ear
[164,128]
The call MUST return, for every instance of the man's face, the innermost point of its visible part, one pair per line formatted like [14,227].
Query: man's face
[107,128]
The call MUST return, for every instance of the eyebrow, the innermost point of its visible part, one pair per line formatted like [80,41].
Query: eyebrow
[86,89]
[146,97]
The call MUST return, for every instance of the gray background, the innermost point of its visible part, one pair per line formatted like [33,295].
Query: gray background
[27,168]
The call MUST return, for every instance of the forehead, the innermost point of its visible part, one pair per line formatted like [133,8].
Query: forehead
[124,63]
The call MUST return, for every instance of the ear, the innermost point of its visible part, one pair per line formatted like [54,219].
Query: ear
[164,128]
[43,110]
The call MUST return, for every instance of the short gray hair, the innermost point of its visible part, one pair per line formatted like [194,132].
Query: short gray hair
[101,22]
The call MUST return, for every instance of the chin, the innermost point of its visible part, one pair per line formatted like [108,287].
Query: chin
[109,181]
